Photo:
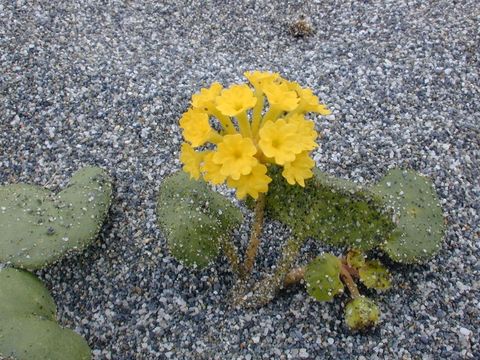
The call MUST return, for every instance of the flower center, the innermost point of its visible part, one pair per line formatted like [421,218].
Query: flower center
[237,154]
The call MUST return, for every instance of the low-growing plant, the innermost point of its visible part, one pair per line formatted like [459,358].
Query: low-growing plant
[257,140]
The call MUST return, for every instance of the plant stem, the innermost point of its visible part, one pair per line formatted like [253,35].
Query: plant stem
[271,114]
[353,272]
[224,121]
[294,276]
[265,290]
[348,280]
[257,113]
[255,235]
[244,124]
[215,137]
[231,253]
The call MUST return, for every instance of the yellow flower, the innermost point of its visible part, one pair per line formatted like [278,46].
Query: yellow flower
[196,128]
[191,160]
[251,136]
[305,132]
[299,170]
[259,78]
[278,140]
[211,171]
[205,99]
[236,156]
[235,100]
[252,184]
[280,97]
[308,101]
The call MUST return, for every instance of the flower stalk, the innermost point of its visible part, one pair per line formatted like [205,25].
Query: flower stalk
[254,242]
[257,113]
[349,282]
[225,121]
[231,253]
[244,125]
[265,290]
[271,114]
[294,276]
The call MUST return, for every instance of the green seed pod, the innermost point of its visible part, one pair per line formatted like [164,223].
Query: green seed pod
[355,259]
[375,276]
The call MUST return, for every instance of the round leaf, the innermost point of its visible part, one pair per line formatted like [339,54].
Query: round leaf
[21,293]
[375,276]
[194,219]
[28,330]
[322,276]
[355,259]
[334,211]
[39,227]
[33,338]
[417,213]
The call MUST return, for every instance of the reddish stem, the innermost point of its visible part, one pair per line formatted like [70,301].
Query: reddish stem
[348,281]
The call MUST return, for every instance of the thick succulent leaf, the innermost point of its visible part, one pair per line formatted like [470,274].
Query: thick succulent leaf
[39,227]
[375,276]
[361,313]
[21,293]
[33,338]
[87,197]
[355,259]
[28,329]
[335,211]
[322,277]
[194,219]
[417,214]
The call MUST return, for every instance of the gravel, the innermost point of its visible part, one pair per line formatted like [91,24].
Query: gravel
[86,82]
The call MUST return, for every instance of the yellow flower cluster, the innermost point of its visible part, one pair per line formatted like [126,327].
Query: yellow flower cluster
[250,138]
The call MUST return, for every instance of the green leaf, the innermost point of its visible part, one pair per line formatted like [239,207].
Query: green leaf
[194,219]
[39,227]
[375,276]
[322,276]
[355,258]
[361,313]
[28,328]
[34,338]
[22,293]
[417,213]
[334,211]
